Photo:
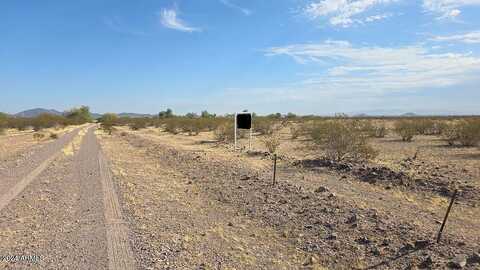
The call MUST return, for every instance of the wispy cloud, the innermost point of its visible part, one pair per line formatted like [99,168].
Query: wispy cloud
[116,24]
[230,4]
[447,9]
[379,69]
[471,38]
[169,19]
[344,13]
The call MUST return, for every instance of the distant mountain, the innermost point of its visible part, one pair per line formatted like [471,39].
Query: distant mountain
[96,115]
[135,115]
[37,112]
[410,114]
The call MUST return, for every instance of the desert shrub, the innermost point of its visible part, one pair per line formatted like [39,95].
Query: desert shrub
[108,121]
[78,116]
[468,132]
[380,131]
[172,125]
[191,126]
[38,136]
[264,126]
[295,131]
[271,142]
[47,121]
[341,138]
[20,124]
[138,123]
[450,133]
[225,132]
[53,136]
[407,129]
[3,123]
[123,134]
[166,114]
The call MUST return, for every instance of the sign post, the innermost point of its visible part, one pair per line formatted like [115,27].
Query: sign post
[243,120]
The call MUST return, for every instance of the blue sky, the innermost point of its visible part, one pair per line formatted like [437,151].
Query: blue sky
[304,56]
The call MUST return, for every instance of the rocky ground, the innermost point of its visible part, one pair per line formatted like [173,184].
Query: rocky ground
[146,200]
[334,226]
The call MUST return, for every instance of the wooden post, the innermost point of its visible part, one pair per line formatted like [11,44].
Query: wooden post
[439,236]
[274,168]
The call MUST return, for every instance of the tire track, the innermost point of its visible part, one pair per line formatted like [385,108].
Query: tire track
[52,151]
[120,255]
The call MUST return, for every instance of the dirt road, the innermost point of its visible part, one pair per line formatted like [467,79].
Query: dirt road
[59,210]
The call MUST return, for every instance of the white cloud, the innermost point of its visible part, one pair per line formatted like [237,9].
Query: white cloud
[471,38]
[169,19]
[377,17]
[448,9]
[351,69]
[228,3]
[344,12]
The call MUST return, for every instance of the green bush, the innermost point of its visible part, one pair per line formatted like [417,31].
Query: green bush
[172,126]
[225,132]
[38,136]
[407,129]
[138,123]
[108,121]
[264,126]
[3,123]
[469,132]
[78,116]
[450,133]
[341,138]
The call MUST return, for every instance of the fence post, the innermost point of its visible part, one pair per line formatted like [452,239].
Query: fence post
[439,236]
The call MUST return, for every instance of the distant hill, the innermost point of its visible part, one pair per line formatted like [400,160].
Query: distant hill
[37,112]
[135,115]
[410,114]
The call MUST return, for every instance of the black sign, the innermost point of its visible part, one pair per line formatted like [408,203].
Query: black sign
[244,121]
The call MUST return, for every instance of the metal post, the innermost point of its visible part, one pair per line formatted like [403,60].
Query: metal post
[274,169]
[235,130]
[439,236]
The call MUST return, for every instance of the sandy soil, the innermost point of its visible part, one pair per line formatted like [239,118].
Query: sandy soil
[397,216]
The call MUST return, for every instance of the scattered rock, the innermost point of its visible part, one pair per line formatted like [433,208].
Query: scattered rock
[458,262]
[352,219]
[332,236]
[311,261]
[245,177]
[427,263]
[363,240]
[474,258]
[321,189]
[332,195]
[419,244]
[230,224]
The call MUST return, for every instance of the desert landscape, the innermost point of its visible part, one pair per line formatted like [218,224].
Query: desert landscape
[171,192]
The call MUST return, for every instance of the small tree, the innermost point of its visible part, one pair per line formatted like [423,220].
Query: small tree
[166,114]
[108,121]
[79,115]
[206,114]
